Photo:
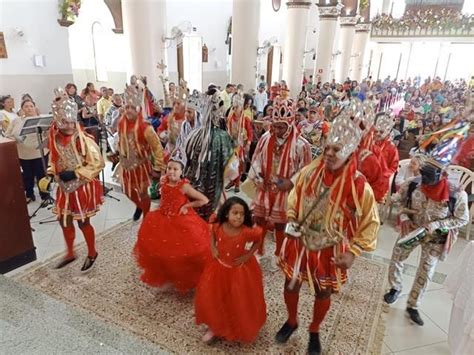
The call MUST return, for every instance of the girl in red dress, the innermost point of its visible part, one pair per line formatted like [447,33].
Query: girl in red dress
[229,296]
[173,241]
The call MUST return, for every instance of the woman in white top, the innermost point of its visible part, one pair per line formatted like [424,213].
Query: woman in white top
[30,156]
[7,113]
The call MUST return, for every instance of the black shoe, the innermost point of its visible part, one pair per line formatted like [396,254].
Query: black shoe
[415,316]
[137,214]
[65,262]
[314,345]
[236,189]
[285,333]
[391,296]
[229,186]
[89,262]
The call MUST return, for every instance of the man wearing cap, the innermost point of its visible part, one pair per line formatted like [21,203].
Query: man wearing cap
[434,210]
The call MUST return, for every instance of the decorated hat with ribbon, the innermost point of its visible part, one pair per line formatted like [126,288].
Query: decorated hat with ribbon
[346,130]
[284,112]
[133,94]
[64,109]
[442,145]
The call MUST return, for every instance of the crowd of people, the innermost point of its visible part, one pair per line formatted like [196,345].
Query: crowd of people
[316,166]
[443,19]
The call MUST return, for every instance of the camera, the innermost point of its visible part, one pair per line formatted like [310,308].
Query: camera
[293,229]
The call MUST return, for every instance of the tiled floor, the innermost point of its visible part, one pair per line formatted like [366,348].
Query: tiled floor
[401,337]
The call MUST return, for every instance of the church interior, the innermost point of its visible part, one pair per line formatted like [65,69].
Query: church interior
[237,176]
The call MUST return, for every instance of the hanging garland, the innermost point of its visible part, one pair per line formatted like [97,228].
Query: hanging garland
[69,9]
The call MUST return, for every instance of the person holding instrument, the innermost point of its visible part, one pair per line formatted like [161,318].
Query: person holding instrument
[434,210]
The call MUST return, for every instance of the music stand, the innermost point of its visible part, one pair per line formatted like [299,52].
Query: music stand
[102,134]
[38,125]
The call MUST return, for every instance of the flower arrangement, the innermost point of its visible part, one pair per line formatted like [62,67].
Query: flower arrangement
[69,9]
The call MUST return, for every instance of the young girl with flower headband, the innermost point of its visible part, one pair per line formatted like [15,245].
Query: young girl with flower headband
[173,241]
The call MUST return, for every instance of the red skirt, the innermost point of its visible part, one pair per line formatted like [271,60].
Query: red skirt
[136,180]
[300,264]
[172,249]
[80,204]
[230,300]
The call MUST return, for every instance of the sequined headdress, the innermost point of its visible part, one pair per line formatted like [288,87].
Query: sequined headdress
[133,95]
[238,100]
[195,101]
[346,129]
[284,112]
[179,156]
[384,123]
[64,109]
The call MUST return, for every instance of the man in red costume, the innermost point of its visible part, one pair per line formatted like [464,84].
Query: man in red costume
[332,218]
[170,128]
[74,163]
[239,127]
[280,154]
[140,152]
[384,148]
[368,162]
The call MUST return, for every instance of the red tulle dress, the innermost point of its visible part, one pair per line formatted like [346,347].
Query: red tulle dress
[229,299]
[173,248]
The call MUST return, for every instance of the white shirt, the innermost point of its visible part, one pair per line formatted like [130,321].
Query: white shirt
[261,100]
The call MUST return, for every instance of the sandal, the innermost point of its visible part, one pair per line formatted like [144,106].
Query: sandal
[89,262]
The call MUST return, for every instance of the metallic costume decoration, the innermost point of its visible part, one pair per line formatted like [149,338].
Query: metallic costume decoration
[64,109]
[133,95]
[238,100]
[195,101]
[179,157]
[384,123]
[346,130]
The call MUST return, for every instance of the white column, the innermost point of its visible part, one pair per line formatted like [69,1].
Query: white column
[327,33]
[386,6]
[295,40]
[346,38]
[245,25]
[145,26]
[359,48]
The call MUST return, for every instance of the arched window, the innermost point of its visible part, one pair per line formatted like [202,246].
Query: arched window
[100,52]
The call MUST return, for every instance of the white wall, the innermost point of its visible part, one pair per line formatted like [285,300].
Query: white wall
[114,46]
[42,35]
[210,18]
[422,61]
